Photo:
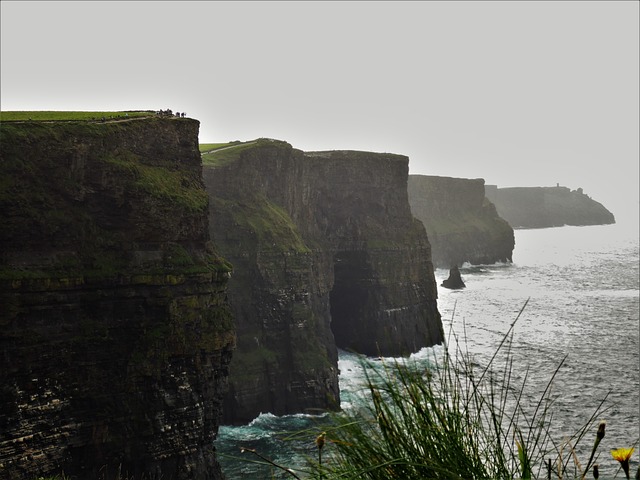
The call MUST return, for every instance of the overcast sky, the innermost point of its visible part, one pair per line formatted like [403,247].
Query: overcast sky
[518,93]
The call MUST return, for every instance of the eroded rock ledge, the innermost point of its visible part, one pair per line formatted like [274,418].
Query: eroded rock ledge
[326,253]
[115,331]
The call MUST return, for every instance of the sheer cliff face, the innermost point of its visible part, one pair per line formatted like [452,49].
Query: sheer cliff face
[462,225]
[384,297]
[286,357]
[325,254]
[541,207]
[115,335]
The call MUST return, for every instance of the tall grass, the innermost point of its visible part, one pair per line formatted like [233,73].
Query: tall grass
[452,420]
[455,420]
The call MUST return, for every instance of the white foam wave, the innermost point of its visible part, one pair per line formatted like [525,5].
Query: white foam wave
[262,418]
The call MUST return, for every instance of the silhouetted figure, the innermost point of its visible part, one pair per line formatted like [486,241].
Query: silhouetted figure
[454,281]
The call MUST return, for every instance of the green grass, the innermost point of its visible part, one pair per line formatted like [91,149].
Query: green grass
[209,147]
[229,153]
[224,156]
[46,116]
[263,222]
[164,183]
[273,225]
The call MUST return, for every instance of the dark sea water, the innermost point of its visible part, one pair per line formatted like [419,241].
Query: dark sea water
[582,287]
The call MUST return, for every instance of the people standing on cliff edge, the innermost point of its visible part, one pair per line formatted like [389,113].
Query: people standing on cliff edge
[454,282]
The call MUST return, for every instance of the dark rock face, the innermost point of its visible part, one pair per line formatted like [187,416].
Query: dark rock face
[116,334]
[286,357]
[462,225]
[325,254]
[454,282]
[542,207]
[384,298]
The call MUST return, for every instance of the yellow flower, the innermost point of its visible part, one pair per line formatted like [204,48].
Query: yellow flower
[622,454]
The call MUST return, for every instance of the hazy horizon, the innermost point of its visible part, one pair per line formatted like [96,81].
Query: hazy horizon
[518,93]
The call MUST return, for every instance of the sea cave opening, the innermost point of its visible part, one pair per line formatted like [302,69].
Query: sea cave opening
[350,299]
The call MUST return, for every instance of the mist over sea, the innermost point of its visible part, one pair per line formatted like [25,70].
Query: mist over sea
[582,286]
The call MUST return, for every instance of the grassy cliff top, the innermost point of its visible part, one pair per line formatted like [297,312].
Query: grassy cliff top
[48,116]
[219,154]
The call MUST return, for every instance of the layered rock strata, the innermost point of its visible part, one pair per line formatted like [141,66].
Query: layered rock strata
[462,225]
[116,334]
[326,254]
[542,207]
[384,298]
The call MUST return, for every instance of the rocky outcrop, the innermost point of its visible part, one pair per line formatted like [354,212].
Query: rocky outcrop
[115,331]
[454,281]
[542,207]
[326,253]
[462,225]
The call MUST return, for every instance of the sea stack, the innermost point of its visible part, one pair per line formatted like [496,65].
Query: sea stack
[454,282]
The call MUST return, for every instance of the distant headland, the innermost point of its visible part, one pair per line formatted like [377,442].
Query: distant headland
[542,207]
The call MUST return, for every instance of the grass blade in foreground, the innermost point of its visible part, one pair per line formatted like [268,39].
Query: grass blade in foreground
[447,422]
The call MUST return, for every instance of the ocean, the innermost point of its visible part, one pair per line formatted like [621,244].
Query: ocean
[581,287]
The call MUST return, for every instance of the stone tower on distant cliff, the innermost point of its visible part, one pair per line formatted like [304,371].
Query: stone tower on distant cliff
[543,207]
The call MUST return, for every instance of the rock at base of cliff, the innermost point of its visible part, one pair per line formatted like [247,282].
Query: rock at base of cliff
[454,282]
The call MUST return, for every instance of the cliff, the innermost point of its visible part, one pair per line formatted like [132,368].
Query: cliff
[462,225]
[541,207]
[384,295]
[326,254]
[286,358]
[115,332]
